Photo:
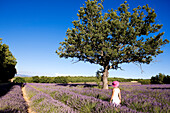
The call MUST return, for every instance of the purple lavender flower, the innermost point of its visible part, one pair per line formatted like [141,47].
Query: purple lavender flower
[42,102]
[135,98]
[13,100]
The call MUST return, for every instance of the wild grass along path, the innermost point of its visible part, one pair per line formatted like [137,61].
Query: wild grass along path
[27,100]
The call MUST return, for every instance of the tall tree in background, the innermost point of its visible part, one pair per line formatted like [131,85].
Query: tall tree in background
[7,63]
[113,38]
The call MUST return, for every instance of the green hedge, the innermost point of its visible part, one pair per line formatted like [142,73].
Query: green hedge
[144,81]
[61,80]
[82,79]
[19,80]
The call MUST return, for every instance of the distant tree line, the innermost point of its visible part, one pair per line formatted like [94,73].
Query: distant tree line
[59,79]
[7,63]
[69,79]
[160,79]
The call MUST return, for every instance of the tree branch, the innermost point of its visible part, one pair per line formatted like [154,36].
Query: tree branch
[139,65]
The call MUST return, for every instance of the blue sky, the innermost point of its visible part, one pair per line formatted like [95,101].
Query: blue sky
[34,28]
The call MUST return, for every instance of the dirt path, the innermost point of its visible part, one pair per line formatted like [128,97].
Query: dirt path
[27,100]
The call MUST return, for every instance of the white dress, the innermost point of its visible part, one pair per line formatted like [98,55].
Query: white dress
[116,100]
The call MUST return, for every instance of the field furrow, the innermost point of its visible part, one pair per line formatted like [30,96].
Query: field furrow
[12,101]
[42,102]
[65,98]
[140,99]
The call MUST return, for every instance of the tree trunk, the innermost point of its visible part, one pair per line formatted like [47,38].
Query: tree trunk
[104,77]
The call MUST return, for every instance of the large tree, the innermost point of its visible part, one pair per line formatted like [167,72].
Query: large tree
[113,38]
[7,63]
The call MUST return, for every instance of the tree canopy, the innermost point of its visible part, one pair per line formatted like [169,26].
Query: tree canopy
[113,38]
[7,63]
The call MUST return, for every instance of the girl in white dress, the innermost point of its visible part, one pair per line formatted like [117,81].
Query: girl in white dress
[116,95]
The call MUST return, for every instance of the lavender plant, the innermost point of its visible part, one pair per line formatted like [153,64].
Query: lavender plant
[42,102]
[143,98]
[80,102]
[13,101]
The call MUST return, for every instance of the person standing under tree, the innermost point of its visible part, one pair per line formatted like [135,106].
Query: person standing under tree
[116,95]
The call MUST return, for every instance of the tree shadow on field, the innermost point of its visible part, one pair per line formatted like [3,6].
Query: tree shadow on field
[106,99]
[9,111]
[77,84]
[5,88]
[160,88]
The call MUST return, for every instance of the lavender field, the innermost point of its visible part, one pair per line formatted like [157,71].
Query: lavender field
[65,98]
[12,101]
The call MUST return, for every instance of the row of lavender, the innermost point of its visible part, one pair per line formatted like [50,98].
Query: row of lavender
[134,98]
[79,102]
[141,98]
[57,98]
[147,98]
[11,99]
[41,102]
